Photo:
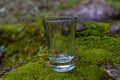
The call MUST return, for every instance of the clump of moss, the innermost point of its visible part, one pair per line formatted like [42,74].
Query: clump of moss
[39,70]
[94,28]
[20,41]
[95,56]
[36,71]
[99,38]
[94,49]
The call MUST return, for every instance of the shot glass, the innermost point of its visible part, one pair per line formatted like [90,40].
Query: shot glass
[60,37]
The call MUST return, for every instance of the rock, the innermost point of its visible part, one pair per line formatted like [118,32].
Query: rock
[79,27]
[98,10]
[7,69]
[114,72]
[1,30]
[114,29]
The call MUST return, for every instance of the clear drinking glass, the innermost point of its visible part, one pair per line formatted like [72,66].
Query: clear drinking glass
[60,36]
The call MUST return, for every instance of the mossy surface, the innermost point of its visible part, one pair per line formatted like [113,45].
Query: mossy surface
[20,41]
[94,49]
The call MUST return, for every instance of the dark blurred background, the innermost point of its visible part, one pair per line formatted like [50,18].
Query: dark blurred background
[12,11]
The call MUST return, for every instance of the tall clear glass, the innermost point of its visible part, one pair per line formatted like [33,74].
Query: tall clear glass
[60,36]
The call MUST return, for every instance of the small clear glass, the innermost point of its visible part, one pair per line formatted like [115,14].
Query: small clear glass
[60,37]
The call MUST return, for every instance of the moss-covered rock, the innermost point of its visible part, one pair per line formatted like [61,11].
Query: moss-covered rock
[36,71]
[20,41]
[94,49]
[85,69]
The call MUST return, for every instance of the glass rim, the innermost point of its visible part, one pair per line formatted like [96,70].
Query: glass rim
[59,19]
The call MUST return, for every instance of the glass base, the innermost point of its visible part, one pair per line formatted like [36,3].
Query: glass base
[62,62]
[63,68]
[61,58]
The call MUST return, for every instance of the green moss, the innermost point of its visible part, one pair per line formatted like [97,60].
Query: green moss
[11,27]
[94,49]
[94,28]
[36,71]
[116,2]
[20,41]
[95,56]
[96,41]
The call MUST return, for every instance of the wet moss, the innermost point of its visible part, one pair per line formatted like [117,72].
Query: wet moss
[94,49]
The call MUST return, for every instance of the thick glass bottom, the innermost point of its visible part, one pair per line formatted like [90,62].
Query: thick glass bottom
[62,62]
[63,68]
[61,58]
